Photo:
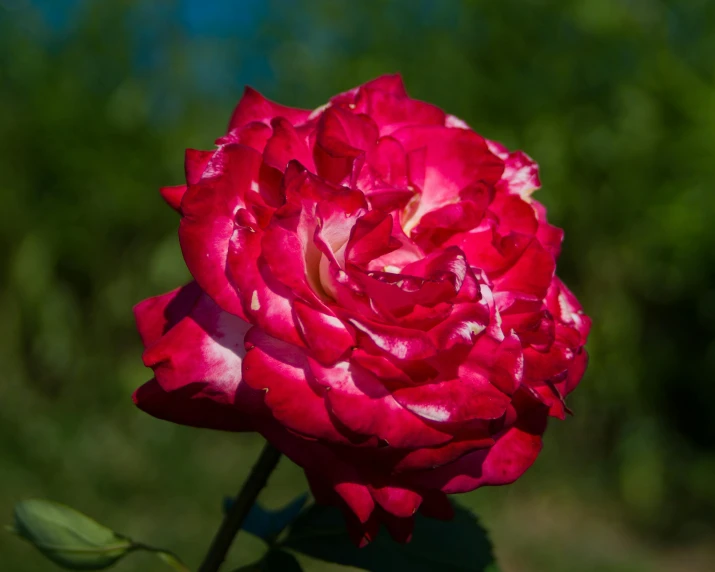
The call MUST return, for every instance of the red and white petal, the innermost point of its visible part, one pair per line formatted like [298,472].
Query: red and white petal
[513,453]
[400,343]
[156,316]
[454,401]
[209,221]
[195,164]
[521,175]
[197,367]
[327,337]
[363,404]
[567,310]
[453,159]
[282,371]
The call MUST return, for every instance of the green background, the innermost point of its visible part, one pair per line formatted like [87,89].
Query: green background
[614,98]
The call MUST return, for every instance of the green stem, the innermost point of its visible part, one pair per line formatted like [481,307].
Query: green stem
[239,510]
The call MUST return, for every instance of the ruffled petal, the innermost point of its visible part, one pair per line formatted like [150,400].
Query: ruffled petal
[206,348]
[173,196]
[254,135]
[389,162]
[391,111]
[398,501]
[209,221]
[254,107]
[282,371]
[156,316]
[452,159]
[341,143]
[196,363]
[195,164]
[400,343]
[437,226]
[455,400]
[390,83]
[521,174]
[327,337]
[370,238]
[566,309]
[433,457]
[286,145]
[513,453]
[365,406]
[531,274]
[186,407]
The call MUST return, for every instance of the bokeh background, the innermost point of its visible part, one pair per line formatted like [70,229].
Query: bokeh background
[614,98]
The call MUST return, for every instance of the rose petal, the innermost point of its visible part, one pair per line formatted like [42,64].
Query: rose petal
[186,407]
[366,407]
[370,237]
[327,337]
[433,457]
[281,370]
[454,401]
[341,144]
[401,343]
[286,145]
[566,309]
[195,164]
[209,210]
[531,274]
[254,107]
[390,83]
[206,348]
[173,196]
[156,316]
[521,175]
[514,214]
[454,159]
[514,452]
[400,502]
[389,161]
[392,111]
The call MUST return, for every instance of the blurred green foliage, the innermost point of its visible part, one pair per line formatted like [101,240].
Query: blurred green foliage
[614,98]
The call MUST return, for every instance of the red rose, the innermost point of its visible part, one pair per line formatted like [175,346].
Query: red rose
[375,294]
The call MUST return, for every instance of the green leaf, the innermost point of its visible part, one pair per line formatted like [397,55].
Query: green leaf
[459,545]
[68,537]
[170,558]
[268,524]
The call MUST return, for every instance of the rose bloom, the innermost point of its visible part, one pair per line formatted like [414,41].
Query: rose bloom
[375,293]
